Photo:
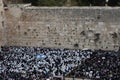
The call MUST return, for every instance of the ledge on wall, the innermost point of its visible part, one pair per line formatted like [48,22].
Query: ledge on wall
[27,5]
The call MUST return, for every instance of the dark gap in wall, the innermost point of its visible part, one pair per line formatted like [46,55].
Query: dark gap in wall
[42,41]
[37,35]
[34,29]
[76,45]
[19,27]
[97,37]
[114,35]
[98,17]
[2,23]
[114,46]
[48,27]
[55,43]
[25,33]
[28,30]
[59,43]
[106,47]
[82,33]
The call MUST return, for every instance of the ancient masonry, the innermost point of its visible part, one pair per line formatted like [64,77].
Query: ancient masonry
[2,25]
[60,27]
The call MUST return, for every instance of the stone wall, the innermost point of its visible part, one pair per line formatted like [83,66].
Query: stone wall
[64,27]
[2,25]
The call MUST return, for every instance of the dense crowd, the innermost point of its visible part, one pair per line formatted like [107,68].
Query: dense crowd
[100,66]
[36,63]
[28,63]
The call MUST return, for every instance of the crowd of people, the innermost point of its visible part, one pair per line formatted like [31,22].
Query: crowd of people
[29,63]
[36,63]
[101,65]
